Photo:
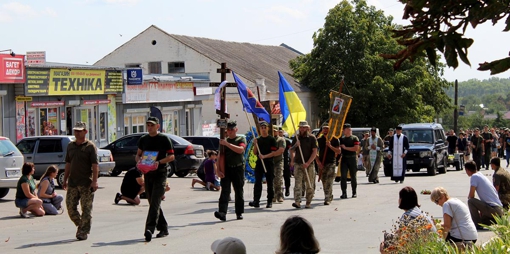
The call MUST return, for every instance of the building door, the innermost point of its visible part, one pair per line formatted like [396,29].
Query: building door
[88,115]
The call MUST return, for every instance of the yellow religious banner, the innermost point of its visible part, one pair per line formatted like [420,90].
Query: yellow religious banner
[339,106]
[76,82]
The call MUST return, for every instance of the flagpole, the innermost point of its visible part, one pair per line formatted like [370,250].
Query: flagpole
[301,151]
[256,144]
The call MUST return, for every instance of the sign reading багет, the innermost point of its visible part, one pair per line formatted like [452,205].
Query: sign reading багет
[42,81]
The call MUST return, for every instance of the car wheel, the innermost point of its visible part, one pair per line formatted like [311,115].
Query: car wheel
[115,172]
[60,178]
[182,173]
[171,170]
[387,171]
[431,171]
[3,192]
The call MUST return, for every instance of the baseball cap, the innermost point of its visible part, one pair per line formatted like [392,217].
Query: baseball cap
[231,124]
[153,120]
[228,245]
[79,126]
[264,123]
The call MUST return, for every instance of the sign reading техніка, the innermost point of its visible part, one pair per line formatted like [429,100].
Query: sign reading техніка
[42,81]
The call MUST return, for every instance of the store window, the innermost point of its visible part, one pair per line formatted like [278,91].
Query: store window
[154,67]
[138,124]
[176,67]
[48,119]
[170,122]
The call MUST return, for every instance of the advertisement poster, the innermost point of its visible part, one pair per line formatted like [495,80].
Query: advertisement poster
[20,120]
[49,121]
[31,123]
[112,116]
[12,69]
[209,129]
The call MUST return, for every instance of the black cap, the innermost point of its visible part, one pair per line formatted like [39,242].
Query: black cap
[374,129]
[264,123]
[153,120]
[398,128]
[347,126]
[232,124]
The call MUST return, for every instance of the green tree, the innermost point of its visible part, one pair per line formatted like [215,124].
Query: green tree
[348,46]
[441,25]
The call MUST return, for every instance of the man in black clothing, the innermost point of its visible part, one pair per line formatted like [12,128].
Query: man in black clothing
[155,180]
[265,149]
[132,186]
[286,162]
[452,142]
[487,141]
[477,148]
[234,173]
[350,145]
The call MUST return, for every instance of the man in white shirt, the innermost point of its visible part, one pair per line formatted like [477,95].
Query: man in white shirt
[482,210]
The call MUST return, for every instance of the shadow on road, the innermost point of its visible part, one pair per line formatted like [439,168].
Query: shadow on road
[119,243]
[26,246]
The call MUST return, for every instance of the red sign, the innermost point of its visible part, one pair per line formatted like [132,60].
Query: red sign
[46,104]
[12,69]
[95,102]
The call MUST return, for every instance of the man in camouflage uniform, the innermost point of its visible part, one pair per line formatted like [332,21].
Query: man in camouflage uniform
[303,166]
[278,165]
[326,161]
[82,172]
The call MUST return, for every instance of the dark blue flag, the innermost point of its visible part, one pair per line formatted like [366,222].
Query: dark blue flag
[250,103]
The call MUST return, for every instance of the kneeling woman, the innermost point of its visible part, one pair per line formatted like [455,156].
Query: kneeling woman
[52,202]
[26,200]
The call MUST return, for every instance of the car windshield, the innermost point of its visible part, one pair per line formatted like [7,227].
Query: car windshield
[7,148]
[419,136]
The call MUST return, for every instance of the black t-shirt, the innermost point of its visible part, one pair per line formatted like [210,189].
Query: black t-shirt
[330,154]
[486,136]
[129,181]
[350,141]
[266,145]
[159,143]
[233,159]
[452,142]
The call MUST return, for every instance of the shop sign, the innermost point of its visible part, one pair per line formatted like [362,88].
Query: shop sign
[95,102]
[134,76]
[36,57]
[42,81]
[159,92]
[23,98]
[43,104]
[12,69]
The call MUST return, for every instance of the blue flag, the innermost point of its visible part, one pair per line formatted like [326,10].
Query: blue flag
[250,103]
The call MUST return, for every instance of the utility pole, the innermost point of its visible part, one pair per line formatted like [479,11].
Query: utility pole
[455,114]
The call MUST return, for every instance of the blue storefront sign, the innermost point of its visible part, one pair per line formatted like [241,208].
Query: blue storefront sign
[134,77]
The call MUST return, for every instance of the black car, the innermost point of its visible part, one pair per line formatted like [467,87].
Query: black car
[209,143]
[427,149]
[187,155]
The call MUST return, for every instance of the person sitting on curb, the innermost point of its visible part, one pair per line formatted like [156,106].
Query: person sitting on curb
[52,202]
[297,236]
[211,181]
[26,200]
[501,182]
[132,186]
[482,210]
[228,245]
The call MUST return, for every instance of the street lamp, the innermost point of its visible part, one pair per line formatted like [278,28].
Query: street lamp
[10,52]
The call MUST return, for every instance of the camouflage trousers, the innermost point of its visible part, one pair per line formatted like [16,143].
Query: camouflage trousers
[278,179]
[300,182]
[82,195]
[328,175]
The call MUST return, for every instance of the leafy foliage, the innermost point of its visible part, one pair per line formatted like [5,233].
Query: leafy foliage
[441,25]
[348,46]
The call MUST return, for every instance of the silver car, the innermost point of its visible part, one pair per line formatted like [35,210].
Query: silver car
[44,151]
[11,161]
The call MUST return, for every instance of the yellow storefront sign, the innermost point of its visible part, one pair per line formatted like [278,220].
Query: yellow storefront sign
[76,82]
[23,98]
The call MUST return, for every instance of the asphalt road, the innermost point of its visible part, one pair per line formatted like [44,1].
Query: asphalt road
[346,226]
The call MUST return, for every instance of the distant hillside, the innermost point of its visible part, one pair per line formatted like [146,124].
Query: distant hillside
[479,88]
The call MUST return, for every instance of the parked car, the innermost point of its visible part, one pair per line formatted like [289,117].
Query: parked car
[11,161]
[427,149]
[44,151]
[209,143]
[187,156]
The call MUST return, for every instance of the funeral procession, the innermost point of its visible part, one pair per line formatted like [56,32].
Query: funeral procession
[348,126]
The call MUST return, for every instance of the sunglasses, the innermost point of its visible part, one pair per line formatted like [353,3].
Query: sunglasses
[437,201]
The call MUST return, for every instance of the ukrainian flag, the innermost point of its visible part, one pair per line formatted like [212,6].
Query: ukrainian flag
[291,107]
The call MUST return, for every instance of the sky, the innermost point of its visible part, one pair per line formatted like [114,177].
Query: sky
[84,31]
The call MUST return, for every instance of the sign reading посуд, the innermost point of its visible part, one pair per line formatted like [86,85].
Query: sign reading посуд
[42,81]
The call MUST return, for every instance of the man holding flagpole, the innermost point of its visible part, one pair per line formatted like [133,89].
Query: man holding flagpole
[265,149]
[304,168]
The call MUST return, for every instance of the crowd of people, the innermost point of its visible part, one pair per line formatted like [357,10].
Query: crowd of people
[305,153]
